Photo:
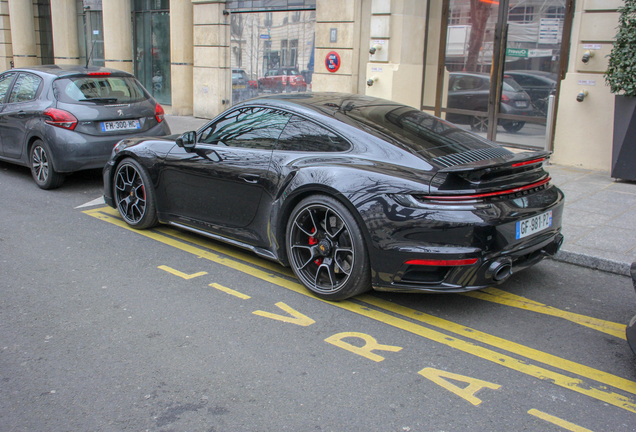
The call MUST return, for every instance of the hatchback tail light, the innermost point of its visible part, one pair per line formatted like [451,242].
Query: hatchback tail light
[505,99]
[159,113]
[60,118]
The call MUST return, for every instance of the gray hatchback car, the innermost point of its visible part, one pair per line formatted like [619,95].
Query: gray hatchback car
[59,119]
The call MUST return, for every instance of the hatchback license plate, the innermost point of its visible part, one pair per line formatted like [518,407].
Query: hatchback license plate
[534,224]
[120,125]
[521,104]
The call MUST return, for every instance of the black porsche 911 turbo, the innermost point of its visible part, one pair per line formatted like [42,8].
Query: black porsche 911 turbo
[353,192]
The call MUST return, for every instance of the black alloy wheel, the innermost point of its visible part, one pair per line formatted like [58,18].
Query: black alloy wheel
[326,249]
[42,167]
[134,195]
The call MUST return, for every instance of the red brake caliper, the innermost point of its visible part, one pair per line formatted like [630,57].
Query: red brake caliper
[314,241]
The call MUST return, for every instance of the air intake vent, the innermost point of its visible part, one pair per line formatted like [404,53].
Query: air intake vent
[471,156]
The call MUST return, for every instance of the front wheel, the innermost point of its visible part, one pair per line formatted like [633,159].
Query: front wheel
[134,195]
[326,249]
[42,168]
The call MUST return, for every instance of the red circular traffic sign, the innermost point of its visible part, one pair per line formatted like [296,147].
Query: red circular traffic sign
[332,61]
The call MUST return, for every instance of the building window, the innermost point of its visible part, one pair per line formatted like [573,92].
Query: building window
[521,14]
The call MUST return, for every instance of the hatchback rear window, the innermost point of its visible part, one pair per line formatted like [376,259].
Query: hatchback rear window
[99,89]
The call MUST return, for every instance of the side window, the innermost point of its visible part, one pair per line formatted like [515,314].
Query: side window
[303,135]
[25,88]
[5,82]
[249,127]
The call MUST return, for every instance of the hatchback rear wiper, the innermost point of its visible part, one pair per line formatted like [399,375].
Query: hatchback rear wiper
[97,99]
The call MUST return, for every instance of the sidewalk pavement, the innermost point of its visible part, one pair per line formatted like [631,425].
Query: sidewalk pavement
[599,220]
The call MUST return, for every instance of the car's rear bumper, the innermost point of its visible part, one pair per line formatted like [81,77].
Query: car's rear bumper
[417,251]
[74,151]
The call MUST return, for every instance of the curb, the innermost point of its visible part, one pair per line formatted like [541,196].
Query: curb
[589,261]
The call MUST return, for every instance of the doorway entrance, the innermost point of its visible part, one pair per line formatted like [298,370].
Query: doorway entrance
[500,67]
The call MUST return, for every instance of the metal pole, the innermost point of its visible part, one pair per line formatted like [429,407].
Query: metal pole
[549,123]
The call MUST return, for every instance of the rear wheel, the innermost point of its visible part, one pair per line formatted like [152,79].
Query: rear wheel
[42,168]
[513,126]
[326,249]
[134,195]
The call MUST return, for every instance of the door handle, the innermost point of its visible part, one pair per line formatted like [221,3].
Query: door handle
[250,178]
[21,114]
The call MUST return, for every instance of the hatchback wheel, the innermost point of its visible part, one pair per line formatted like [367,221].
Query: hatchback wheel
[326,249]
[513,126]
[134,195]
[479,123]
[42,167]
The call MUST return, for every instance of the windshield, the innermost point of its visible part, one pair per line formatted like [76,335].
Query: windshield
[291,72]
[99,89]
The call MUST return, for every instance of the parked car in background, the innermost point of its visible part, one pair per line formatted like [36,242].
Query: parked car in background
[630,331]
[539,86]
[61,119]
[286,79]
[470,91]
[353,192]
[240,86]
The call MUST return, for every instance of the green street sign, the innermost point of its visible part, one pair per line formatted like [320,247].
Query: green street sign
[516,52]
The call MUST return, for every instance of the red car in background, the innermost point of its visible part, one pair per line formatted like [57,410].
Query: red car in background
[286,79]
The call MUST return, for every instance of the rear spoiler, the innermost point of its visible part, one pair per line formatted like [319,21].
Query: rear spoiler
[516,160]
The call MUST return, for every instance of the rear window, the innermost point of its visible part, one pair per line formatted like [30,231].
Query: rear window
[510,84]
[416,131]
[99,89]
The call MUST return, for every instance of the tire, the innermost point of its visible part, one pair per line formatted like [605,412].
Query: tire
[134,195]
[42,167]
[513,126]
[326,249]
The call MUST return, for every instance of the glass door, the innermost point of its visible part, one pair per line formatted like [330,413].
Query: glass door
[152,47]
[501,62]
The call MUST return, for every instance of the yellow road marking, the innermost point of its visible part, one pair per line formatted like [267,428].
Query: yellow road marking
[370,344]
[507,345]
[439,377]
[181,274]
[598,392]
[295,318]
[230,291]
[557,421]
[502,297]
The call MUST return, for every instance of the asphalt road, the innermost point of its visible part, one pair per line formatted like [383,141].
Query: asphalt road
[103,328]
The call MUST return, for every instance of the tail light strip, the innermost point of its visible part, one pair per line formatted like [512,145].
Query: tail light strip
[490,194]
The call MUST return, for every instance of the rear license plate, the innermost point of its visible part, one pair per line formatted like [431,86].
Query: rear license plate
[120,125]
[521,104]
[238,86]
[534,224]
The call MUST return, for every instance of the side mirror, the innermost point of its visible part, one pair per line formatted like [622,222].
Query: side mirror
[187,140]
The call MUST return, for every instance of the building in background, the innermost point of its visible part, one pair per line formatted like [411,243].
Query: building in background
[510,70]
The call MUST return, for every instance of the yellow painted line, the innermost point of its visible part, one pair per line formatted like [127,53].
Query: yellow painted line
[294,316]
[557,421]
[230,291]
[181,274]
[502,297]
[601,393]
[522,350]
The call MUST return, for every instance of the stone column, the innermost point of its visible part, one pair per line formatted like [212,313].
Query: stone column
[397,31]
[64,23]
[6,50]
[339,33]
[23,33]
[211,74]
[118,49]
[181,56]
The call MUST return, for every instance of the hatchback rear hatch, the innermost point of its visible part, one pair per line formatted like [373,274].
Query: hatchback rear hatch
[107,104]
